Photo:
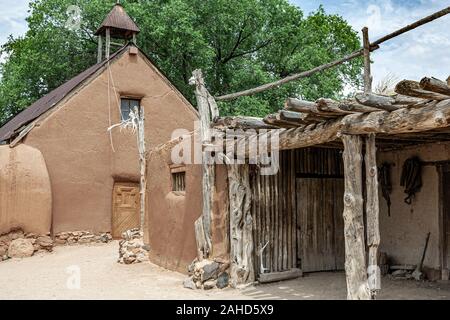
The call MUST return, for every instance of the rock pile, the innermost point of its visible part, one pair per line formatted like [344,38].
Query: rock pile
[132,248]
[17,244]
[81,237]
[208,274]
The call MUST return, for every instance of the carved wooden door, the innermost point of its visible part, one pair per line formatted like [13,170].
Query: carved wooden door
[125,208]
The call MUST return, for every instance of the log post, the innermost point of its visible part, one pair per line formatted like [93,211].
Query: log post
[108,43]
[372,214]
[208,168]
[100,49]
[241,225]
[355,251]
[142,163]
[367,75]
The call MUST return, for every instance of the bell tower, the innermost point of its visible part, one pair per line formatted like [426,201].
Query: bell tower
[117,25]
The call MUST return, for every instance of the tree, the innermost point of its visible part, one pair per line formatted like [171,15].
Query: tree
[238,44]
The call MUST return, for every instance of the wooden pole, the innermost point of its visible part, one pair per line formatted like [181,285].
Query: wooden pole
[367,75]
[372,204]
[355,251]
[100,49]
[208,170]
[372,214]
[142,163]
[108,43]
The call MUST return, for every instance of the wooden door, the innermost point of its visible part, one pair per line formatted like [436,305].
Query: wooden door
[319,216]
[125,214]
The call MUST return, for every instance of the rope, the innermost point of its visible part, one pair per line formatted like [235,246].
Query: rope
[109,110]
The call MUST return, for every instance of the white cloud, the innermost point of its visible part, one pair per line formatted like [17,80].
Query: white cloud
[12,19]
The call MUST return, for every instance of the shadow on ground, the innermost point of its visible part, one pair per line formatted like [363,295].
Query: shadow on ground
[331,286]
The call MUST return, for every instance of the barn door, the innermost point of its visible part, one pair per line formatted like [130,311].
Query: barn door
[125,205]
[319,217]
[273,212]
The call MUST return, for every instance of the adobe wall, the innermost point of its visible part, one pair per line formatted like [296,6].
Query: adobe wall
[171,216]
[76,146]
[25,191]
[403,233]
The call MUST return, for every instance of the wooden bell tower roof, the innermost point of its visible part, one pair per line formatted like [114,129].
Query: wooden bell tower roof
[120,24]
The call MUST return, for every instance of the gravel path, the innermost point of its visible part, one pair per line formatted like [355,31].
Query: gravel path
[53,276]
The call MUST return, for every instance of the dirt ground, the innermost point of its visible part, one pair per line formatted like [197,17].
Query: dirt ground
[54,276]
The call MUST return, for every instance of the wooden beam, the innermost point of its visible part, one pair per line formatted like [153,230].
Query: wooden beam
[297,105]
[372,214]
[413,89]
[301,117]
[405,120]
[355,250]
[208,170]
[343,107]
[241,122]
[241,225]
[435,85]
[377,101]
[280,276]
[276,120]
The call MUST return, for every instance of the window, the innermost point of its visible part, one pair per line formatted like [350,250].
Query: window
[178,177]
[179,181]
[128,105]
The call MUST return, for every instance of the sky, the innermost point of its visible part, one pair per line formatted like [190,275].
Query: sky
[421,52]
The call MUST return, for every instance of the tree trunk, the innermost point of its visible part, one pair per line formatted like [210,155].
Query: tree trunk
[355,256]
[142,164]
[208,170]
[241,225]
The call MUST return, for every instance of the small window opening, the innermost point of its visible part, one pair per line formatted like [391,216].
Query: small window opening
[128,105]
[179,181]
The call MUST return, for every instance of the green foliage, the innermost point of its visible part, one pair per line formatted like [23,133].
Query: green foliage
[239,44]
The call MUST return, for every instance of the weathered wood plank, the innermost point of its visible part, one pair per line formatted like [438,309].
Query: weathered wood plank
[241,122]
[435,85]
[413,89]
[377,101]
[355,257]
[280,276]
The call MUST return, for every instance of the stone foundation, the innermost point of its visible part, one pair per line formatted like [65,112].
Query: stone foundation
[132,248]
[208,274]
[81,237]
[18,244]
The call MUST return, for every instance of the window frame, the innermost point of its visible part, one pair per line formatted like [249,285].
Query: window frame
[178,170]
[129,100]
